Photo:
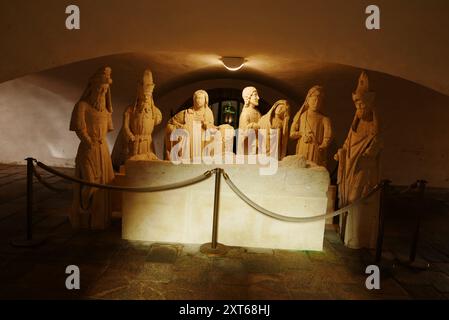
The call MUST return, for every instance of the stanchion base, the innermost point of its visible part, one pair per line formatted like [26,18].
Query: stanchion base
[418,264]
[24,243]
[220,250]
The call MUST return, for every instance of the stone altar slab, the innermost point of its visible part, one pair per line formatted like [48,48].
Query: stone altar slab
[185,215]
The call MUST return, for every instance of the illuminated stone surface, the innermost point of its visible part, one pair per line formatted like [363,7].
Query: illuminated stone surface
[135,138]
[277,118]
[185,215]
[312,129]
[358,169]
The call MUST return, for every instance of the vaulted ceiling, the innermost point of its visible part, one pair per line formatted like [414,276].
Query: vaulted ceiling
[289,44]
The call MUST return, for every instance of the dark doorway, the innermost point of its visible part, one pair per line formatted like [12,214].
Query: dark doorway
[226,104]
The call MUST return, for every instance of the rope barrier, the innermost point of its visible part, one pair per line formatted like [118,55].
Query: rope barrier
[277,216]
[382,187]
[45,183]
[195,180]
[206,175]
[411,187]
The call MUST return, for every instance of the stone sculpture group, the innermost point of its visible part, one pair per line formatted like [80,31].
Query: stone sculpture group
[358,170]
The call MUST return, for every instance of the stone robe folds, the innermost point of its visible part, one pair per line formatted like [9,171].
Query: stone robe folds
[140,124]
[248,118]
[91,206]
[358,174]
[319,128]
[185,119]
[269,123]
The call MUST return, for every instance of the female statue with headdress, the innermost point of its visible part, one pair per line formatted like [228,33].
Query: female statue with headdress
[92,120]
[135,138]
[276,119]
[249,122]
[312,129]
[199,114]
[358,170]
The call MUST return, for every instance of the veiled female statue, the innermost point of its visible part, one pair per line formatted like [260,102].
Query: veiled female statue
[276,119]
[312,129]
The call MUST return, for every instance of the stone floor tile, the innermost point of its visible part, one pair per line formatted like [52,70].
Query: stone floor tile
[163,253]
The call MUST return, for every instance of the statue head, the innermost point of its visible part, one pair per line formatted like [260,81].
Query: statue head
[98,93]
[250,97]
[145,89]
[281,109]
[363,98]
[314,98]
[200,99]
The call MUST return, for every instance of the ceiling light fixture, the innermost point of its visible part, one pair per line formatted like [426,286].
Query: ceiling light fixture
[233,63]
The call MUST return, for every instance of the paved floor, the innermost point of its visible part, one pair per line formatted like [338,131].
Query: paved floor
[112,268]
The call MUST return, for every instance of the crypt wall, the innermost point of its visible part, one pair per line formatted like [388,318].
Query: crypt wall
[36,111]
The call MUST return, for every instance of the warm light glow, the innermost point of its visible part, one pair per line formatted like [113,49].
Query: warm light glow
[233,63]
[155,218]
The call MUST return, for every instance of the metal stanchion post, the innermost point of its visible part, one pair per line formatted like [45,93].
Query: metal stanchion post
[28,241]
[215,248]
[411,262]
[421,189]
[381,227]
[216,206]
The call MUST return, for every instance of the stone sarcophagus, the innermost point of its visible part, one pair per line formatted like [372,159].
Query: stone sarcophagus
[185,215]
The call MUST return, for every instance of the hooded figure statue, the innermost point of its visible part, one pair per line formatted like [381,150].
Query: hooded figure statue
[277,118]
[312,129]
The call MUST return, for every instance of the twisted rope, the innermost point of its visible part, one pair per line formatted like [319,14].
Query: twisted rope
[206,175]
[281,217]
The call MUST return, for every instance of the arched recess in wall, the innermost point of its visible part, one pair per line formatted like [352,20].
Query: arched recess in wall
[173,100]
[36,109]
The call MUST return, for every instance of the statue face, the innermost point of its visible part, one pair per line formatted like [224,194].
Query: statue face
[103,89]
[362,110]
[98,96]
[199,101]
[254,99]
[146,97]
[313,102]
[280,111]
[150,89]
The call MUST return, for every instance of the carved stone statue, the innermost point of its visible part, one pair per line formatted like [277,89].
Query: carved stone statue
[249,119]
[199,114]
[92,120]
[277,118]
[227,133]
[219,144]
[358,169]
[135,138]
[312,129]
